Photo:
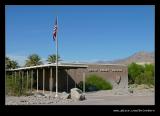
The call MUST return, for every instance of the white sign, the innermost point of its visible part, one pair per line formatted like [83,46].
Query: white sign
[105,70]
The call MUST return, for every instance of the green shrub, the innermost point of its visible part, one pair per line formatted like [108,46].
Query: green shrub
[139,74]
[95,82]
[134,70]
[14,87]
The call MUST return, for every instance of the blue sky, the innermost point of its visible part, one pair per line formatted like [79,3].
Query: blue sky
[85,33]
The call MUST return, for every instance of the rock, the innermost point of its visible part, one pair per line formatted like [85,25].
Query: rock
[39,95]
[130,90]
[76,94]
[82,97]
[23,101]
[64,95]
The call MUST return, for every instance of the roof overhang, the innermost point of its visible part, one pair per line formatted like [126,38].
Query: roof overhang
[61,66]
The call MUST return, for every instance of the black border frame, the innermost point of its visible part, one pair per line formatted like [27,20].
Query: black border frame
[80,109]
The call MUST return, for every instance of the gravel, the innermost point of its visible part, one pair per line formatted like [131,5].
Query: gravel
[49,99]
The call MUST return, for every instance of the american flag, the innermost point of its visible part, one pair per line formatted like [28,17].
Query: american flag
[55,30]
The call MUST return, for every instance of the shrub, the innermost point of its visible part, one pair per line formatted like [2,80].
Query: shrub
[15,88]
[134,70]
[95,82]
[138,74]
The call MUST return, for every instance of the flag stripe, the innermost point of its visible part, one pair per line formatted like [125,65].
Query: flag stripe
[55,30]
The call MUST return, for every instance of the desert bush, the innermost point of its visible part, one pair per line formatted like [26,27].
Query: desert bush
[139,74]
[95,82]
[134,70]
[16,87]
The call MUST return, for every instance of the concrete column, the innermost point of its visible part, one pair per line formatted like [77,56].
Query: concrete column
[67,79]
[31,79]
[83,82]
[27,79]
[19,75]
[22,80]
[37,80]
[75,76]
[51,80]
[15,77]
[12,77]
[43,79]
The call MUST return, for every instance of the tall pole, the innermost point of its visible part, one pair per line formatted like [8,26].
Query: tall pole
[57,62]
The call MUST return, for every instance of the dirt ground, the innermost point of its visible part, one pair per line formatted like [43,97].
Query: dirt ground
[116,100]
[103,97]
[108,98]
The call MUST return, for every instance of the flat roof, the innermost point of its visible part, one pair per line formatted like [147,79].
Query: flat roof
[64,65]
[95,64]
[50,65]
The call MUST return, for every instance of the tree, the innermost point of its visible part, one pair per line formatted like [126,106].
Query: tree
[33,60]
[134,70]
[141,74]
[10,64]
[149,68]
[52,58]
[7,63]
[14,64]
[149,74]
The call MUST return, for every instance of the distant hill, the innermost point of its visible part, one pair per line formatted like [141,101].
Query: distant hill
[139,57]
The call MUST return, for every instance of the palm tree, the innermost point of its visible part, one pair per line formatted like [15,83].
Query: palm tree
[10,64]
[7,62]
[33,60]
[52,58]
[14,64]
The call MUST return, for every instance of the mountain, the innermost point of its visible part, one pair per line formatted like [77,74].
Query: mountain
[139,57]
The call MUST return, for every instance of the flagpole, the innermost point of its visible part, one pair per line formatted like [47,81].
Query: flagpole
[57,62]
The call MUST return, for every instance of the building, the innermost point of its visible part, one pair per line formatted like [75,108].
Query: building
[43,77]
